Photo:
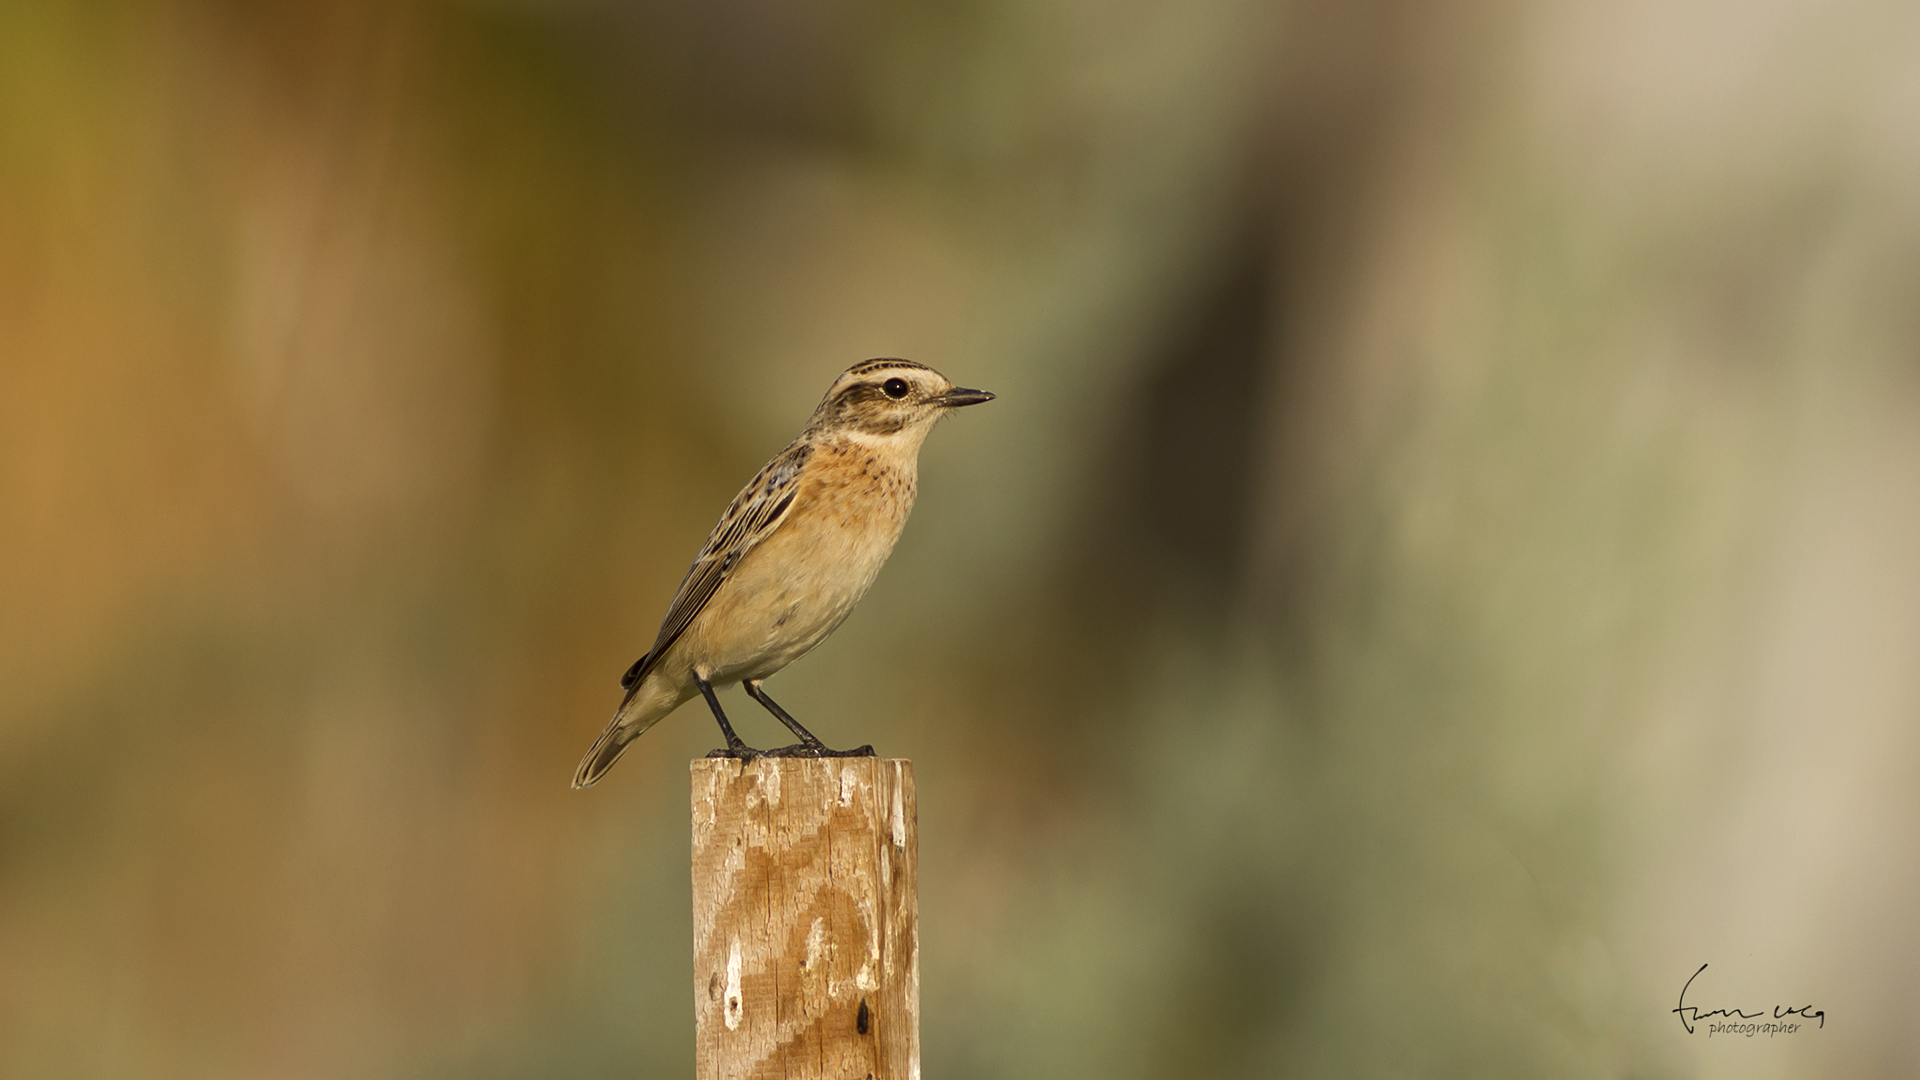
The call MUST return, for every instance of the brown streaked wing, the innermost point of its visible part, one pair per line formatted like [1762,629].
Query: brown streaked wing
[753,516]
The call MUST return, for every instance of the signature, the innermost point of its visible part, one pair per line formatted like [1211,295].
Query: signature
[1734,1020]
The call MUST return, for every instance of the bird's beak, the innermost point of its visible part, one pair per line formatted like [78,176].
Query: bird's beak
[960,395]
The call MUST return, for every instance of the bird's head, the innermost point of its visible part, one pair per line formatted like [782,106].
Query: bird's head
[887,399]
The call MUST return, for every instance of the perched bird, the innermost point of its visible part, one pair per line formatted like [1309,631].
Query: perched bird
[793,553]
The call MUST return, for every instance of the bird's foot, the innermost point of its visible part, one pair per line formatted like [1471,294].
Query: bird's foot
[819,750]
[745,754]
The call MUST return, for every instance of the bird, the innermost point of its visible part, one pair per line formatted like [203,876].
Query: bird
[791,556]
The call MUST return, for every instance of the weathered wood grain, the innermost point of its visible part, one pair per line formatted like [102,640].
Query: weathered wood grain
[805,920]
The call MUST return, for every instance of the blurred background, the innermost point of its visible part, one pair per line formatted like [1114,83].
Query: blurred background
[1444,563]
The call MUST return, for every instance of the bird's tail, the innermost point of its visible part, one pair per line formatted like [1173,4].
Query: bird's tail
[606,750]
[645,706]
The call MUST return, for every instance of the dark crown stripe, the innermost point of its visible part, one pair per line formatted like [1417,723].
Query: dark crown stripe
[869,366]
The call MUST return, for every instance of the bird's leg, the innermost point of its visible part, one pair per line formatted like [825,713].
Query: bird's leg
[810,744]
[736,748]
[807,738]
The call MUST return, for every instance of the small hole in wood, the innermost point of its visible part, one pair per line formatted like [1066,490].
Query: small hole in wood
[713,987]
[863,1019]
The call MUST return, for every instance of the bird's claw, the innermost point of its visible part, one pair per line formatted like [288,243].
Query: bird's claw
[820,750]
[745,754]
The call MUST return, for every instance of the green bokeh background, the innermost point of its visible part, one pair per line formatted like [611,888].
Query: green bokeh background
[1444,562]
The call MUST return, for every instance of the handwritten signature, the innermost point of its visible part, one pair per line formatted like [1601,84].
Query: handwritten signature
[1690,1015]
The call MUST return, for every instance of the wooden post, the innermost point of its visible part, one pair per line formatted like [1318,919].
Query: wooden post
[806,958]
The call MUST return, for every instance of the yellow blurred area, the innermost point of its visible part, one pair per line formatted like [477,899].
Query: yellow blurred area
[1441,566]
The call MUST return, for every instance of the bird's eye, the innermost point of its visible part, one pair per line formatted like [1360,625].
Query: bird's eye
[895,388]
